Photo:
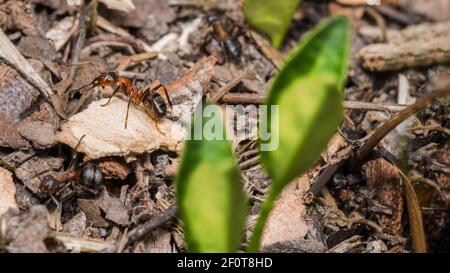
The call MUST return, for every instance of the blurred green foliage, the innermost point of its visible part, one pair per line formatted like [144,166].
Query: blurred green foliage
[308,91]
[270,17]
[210,197]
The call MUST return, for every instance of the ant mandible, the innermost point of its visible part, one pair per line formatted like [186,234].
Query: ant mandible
[149,96]
[86,179]
[226,32]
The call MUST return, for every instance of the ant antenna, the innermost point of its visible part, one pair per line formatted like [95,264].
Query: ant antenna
[83,63]
[91,83]
[75,154]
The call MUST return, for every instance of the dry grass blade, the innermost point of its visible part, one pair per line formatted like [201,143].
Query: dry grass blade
[393,122]
[415,216]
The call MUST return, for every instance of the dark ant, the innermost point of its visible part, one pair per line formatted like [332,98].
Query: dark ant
[149,96]
[340,181]
[86,179]
[226,32]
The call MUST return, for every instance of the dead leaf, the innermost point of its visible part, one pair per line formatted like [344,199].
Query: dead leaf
[286,221]
[104,126]
[7,191]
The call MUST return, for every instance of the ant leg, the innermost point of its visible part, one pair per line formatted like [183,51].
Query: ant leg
[54,200]
[115,90]
[167,97]
[128,110]
[208,38]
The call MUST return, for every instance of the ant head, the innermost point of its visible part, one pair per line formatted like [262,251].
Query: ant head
[49,184]
[107,79]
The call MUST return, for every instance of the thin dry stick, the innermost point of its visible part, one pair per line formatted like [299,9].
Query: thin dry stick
[393,122]
[247,98]
[140,231]
[232,84]
[85,12]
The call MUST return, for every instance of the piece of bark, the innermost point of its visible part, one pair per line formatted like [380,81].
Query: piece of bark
[406,51]
[388,57]
[7,191]
[104,126]
[384,178]
[16,95]
[41,134]
[114,169]
[10,136]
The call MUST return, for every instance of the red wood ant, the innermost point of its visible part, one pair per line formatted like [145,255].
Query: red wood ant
[149,96]
[86,179]
[226,33]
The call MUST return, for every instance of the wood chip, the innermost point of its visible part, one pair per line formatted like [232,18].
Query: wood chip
[104,126]
[7,191]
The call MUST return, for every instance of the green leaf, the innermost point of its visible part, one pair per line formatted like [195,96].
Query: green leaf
[308,91]
[211,201]
[271,17]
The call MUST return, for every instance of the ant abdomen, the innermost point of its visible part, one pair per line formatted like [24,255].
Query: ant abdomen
[233,47]
[154,104]
[91,177]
